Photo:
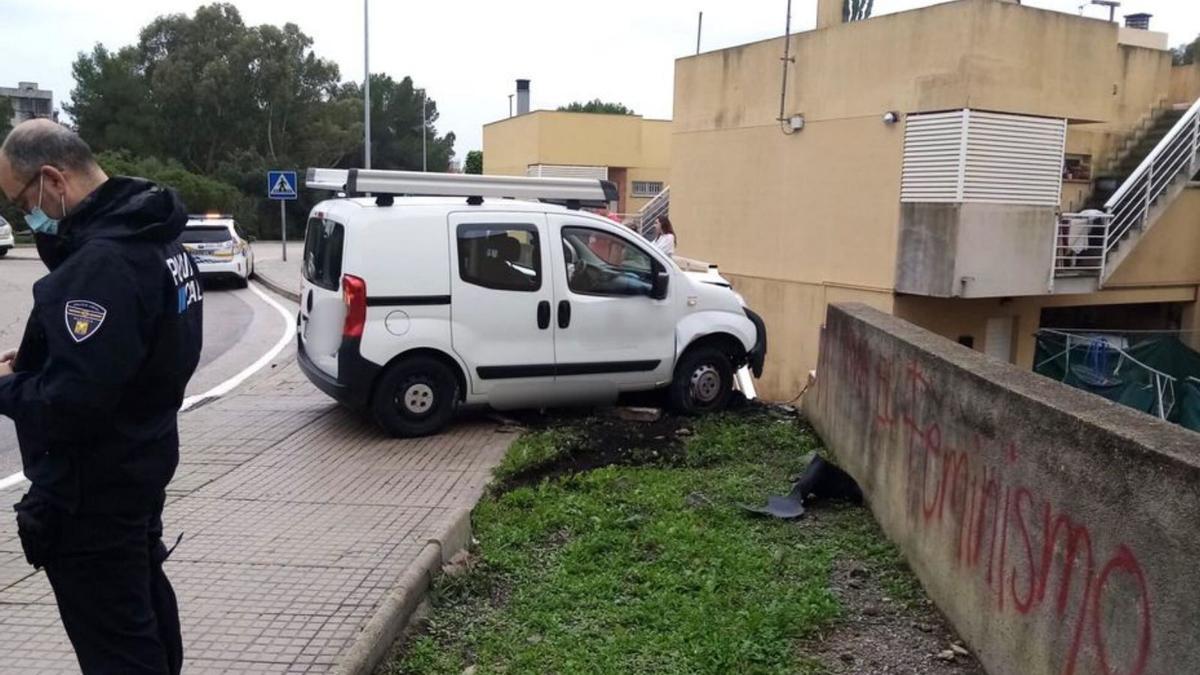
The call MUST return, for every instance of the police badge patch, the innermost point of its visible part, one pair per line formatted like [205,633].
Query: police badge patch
[84,319]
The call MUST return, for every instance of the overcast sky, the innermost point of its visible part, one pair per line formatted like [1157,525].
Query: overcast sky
[467,53]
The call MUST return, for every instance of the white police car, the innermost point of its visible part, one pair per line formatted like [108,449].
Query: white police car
[7,241]
[413,305]
[219,248]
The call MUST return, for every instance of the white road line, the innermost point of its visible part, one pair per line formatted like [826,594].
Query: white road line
[226,386]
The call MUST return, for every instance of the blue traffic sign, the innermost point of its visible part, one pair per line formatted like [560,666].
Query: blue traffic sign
[281,184]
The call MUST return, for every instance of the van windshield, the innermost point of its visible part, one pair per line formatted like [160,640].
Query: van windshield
[323,253]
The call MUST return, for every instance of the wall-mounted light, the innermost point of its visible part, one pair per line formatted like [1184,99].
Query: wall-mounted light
[891,117]
[796,122]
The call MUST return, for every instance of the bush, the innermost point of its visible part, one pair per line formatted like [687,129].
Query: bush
[200,194]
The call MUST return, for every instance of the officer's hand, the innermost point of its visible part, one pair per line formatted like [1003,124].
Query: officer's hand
[5,368]
[9,356]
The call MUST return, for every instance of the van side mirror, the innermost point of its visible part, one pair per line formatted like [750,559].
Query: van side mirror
[662,281]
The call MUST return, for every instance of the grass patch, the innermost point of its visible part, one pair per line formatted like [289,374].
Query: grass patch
[649,568]
[533,450]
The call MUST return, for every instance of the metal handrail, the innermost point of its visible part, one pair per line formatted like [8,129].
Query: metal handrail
[1176,154]
[651,210]
[1190,117]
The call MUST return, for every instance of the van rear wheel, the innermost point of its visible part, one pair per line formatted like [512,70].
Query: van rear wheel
[703,382]
[415,397]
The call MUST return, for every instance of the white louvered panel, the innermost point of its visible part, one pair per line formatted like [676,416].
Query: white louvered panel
[566,171]
[1013,159]
[932,157]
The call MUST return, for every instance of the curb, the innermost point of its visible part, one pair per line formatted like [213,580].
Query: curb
[404,597]
[276,287]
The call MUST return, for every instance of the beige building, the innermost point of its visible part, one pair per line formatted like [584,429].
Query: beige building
[629,150]
[919,164]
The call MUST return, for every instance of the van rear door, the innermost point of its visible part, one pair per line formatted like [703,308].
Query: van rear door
[322,312]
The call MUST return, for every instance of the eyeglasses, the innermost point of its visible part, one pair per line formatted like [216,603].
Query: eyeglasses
[17,199]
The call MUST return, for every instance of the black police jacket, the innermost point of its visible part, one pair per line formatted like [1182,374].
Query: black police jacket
[113,338]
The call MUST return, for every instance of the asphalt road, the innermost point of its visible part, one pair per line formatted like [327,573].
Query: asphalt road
[238,328]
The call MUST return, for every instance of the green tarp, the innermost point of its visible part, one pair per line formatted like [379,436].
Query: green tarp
[1122,375]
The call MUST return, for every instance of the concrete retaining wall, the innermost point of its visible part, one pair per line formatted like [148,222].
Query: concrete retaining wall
[1056,531]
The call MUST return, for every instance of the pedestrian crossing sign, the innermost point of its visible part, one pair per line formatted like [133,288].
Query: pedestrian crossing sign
[281,184]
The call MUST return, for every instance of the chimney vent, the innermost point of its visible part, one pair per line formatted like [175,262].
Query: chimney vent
[522,97]
[1138,21]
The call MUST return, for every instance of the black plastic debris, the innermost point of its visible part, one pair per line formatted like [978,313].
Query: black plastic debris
[821,480]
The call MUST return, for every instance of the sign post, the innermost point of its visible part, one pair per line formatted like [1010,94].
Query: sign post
[281,186]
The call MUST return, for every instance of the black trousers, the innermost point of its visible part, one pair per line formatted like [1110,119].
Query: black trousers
[116,603]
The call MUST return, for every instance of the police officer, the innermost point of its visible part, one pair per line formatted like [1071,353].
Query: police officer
[95,389]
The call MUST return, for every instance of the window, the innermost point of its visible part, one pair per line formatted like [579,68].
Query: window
[647,188]
[504,257]
[599,263]
[323,253]
[209,234]
[1077,167]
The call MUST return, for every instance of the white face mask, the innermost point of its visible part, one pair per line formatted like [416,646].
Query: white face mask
[38,221]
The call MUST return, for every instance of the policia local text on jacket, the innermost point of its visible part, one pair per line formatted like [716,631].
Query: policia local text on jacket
[112,340]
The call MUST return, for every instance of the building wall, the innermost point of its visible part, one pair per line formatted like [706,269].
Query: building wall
[793,329]
[1168,253]
[789,217]
[581,139]
[1185,83]
[954,317]
[511,145]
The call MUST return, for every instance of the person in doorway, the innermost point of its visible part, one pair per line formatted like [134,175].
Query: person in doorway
[95,390]
[665,241]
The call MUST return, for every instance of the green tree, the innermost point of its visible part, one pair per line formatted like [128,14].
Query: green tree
[597,106]
[857,10]
[6,114]
[396,127]
[206,88]
[474,163]
[1185,54]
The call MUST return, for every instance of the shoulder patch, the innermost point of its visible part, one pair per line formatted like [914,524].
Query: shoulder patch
[84,318]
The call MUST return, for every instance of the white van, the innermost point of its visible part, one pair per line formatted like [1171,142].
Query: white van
[411,306]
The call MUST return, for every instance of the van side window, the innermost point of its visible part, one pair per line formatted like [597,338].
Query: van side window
[503,256]
[323,253]
[599,263]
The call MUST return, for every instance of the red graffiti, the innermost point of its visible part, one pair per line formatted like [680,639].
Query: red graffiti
[957,483]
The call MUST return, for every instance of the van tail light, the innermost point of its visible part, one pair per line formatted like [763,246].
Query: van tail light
[354,295]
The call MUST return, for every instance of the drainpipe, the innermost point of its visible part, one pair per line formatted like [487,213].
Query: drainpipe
[787,43]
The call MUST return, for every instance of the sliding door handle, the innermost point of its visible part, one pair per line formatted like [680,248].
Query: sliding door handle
[543,314]
[564,314]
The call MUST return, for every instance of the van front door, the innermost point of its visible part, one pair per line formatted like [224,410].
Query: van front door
[610,335]
[501,305]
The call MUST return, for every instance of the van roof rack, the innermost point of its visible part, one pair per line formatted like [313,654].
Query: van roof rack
[573,192]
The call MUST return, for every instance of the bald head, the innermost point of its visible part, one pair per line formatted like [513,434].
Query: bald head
[44,163]
[42,142]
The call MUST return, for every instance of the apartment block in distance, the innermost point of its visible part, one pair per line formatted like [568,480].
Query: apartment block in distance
[629,150]
[28,101]
[980,168]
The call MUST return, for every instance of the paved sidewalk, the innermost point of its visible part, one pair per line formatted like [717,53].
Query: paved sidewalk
[298,518]
[281,277]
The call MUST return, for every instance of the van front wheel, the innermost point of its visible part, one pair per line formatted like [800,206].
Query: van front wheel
[415,397]
[703,382]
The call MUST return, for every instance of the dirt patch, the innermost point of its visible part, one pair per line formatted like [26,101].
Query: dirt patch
[881,634]
[602,437]
[604,441]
